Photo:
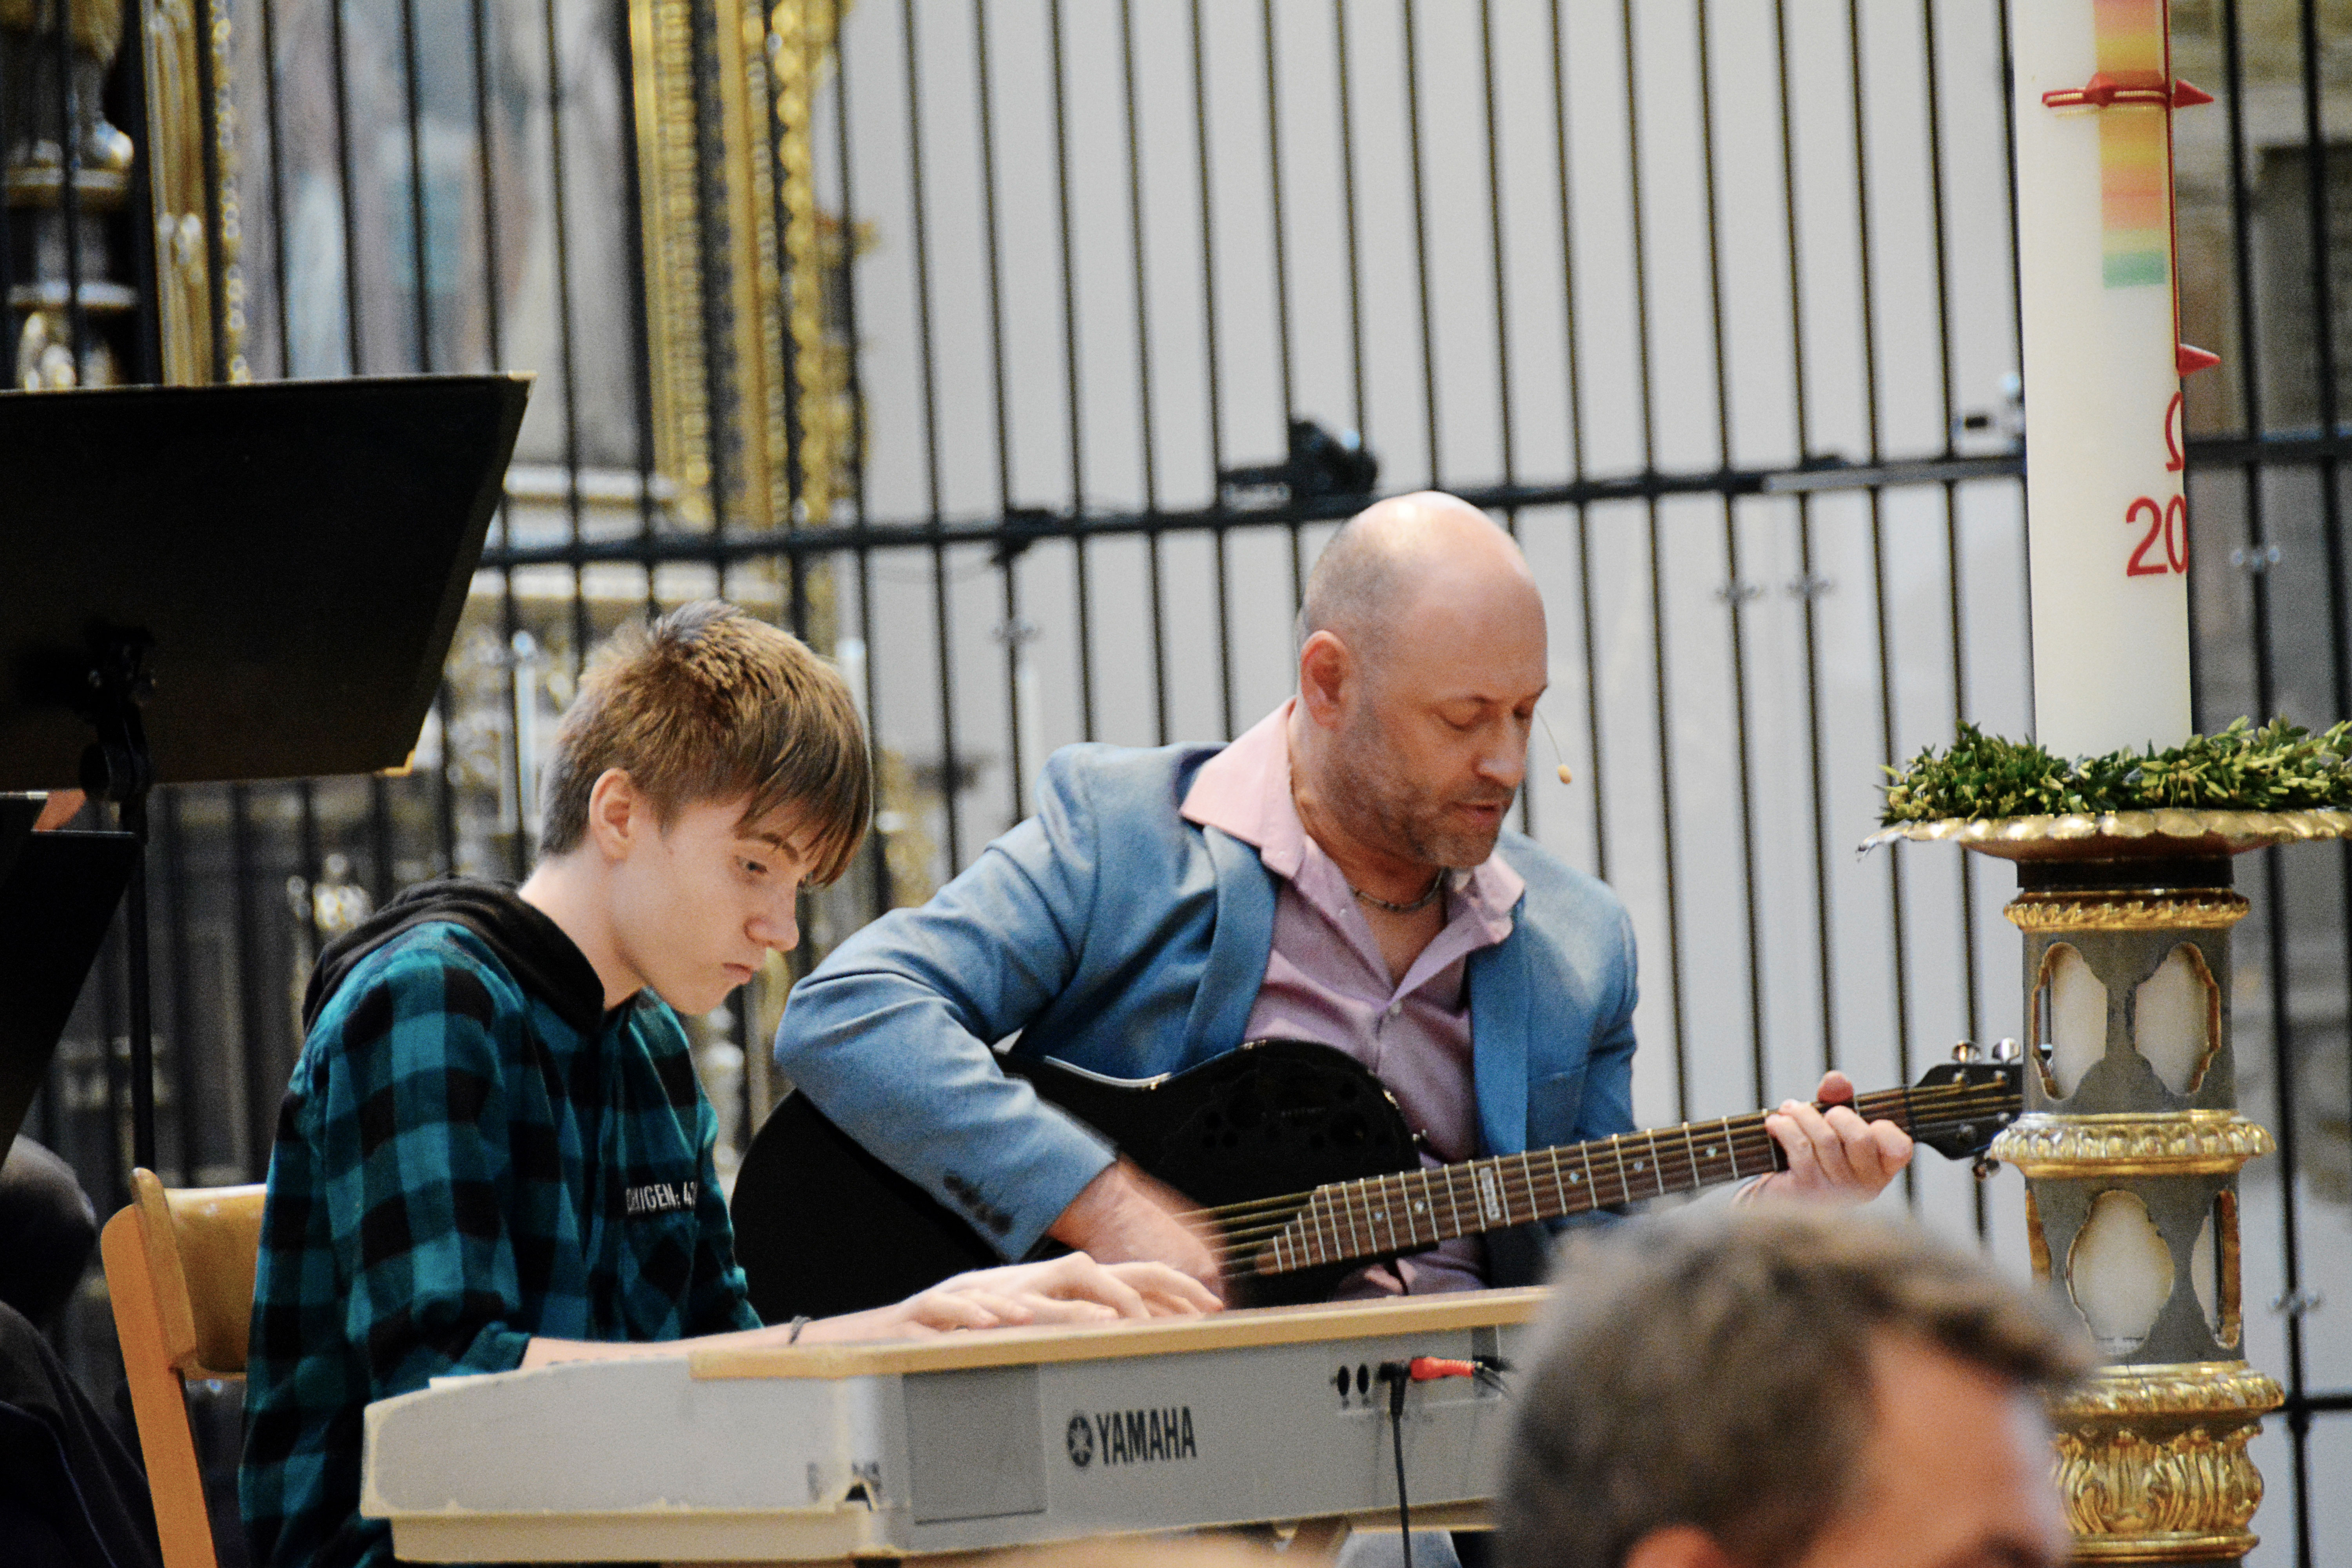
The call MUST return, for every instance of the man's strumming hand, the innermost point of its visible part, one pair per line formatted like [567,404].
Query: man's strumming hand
[1125,1217]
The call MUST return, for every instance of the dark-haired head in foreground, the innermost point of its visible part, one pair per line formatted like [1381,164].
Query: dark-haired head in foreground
[1785,1387]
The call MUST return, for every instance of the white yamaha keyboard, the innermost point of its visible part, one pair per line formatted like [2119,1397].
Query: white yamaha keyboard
[956,1444]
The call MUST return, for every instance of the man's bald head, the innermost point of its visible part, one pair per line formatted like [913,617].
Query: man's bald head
[1369,578]
[1420,658]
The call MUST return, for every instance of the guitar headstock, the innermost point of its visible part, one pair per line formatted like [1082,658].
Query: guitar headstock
[1959,1107]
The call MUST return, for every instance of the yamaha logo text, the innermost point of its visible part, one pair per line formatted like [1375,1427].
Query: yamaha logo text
[1132,1437]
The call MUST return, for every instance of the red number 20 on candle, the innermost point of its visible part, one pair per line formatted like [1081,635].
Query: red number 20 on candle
[2169,522]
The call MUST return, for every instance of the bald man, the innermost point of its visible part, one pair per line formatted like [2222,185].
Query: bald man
[1340,873]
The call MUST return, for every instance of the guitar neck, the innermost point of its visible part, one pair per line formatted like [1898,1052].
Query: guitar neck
[1384,1216]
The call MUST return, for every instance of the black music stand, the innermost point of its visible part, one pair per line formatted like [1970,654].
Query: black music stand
[58,896]
[229,582]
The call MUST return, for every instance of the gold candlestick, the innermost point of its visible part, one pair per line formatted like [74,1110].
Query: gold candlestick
[2130,1146]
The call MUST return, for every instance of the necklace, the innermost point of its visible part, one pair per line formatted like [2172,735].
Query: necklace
[1436,885]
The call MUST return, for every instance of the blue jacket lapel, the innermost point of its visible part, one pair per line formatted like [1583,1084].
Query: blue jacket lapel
[1238,949]
[1499,1022]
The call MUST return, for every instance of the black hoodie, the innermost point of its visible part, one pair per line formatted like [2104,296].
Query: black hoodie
[534,949]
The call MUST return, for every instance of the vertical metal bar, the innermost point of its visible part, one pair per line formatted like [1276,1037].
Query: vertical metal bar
[1867,303]
[445,784]
[990,254]
[354,357]
[109,971]
[561,246]
[139,972]
[948,769]
[1642,362]
[1008,559]
[1215,378]
[842,173]
[1143,370]
[486,176]
[1275,228]
[1421,241]
[2315,199]
[183,1033]
[260,1104]
[1081,575]
[9,342]
[418,241]
[878,857]
[1279,235]
[2318,199]
[70,196]
[1354,228]
[272,118]
[1495,247]
[1504,428]
[2017,315]
[208,155]
[147,332]
[772,131]
[1932,101]
[1592,648]
[641,369]
[1827,967]
[2274,954]
[1734,597]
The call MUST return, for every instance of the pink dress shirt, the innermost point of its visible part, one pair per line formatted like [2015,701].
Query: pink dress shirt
[1326,980]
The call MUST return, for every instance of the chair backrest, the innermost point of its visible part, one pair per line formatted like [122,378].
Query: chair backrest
[180,1265]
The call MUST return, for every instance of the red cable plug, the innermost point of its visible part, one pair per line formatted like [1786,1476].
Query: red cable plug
[1430,1368]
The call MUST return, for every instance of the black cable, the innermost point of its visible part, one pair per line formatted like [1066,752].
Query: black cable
[1396,1375]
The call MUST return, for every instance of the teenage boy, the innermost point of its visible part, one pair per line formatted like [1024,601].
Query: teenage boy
[494,1153]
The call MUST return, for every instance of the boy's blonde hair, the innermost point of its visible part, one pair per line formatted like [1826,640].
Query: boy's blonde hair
[709,703]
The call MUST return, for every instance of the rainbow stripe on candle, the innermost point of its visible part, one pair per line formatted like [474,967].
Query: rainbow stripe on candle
[2135,148]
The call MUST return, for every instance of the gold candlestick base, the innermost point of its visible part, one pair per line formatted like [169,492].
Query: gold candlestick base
[2152,1464]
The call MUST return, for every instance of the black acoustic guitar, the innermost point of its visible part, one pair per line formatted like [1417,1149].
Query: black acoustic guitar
[1299,1160]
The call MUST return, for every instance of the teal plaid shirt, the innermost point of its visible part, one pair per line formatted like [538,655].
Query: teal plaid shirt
[457,1168]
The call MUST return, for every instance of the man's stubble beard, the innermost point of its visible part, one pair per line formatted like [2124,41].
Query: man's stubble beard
[1394,813]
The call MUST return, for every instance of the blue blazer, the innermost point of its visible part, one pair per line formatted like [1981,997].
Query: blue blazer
[1109,933]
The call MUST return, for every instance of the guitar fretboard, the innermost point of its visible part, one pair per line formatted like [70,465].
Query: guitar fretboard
[1384,1216]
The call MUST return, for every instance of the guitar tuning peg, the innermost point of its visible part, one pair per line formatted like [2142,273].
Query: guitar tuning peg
[2006,1051]
[1964,1051]
[1984,1166]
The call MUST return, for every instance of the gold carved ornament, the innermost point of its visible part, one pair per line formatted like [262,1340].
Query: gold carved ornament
[2161,1143]
[2203,910]
[2151,1461]
[714,277]
[177,126]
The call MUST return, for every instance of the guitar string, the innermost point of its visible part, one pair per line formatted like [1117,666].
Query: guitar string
[1746,1136]
[1922,1102]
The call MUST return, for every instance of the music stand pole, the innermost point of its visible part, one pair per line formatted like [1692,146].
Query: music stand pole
[118,767]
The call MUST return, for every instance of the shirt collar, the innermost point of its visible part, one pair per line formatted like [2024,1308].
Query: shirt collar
[1244,790]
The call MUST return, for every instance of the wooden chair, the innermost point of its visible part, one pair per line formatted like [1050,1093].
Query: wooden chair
[180,1267]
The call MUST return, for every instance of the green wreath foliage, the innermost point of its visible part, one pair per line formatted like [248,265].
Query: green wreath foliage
[2279,767]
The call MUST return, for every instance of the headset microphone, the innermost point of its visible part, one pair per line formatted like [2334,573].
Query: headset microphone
[1565,776]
